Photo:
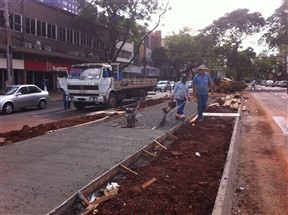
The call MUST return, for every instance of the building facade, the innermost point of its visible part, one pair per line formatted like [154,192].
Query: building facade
[46,39]
[68,5]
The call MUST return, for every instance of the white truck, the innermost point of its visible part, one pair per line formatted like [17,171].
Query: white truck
[99,83]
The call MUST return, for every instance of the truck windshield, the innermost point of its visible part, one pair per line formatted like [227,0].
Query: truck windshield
[62,74]
[84,73]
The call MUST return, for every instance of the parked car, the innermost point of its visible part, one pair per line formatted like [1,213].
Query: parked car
[269,83]
[283,84]
[263,82]
[163,86]
[172,84]
[21,97]
[189,84]
[277,83]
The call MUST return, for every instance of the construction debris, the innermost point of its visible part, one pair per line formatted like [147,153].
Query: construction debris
[110,191]
[148,183]
[129,170]
[159,144]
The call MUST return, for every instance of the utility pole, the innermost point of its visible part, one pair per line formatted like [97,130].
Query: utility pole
[10,74]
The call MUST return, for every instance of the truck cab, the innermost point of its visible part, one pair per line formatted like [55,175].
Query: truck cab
[90,84]
[99,83]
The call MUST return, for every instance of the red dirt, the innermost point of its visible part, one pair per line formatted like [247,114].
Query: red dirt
[185,183]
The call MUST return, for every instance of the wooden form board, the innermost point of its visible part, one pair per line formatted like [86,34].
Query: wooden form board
[222,114]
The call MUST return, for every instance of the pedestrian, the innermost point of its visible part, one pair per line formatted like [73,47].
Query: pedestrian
[201,83]
[253,85]
[58,86]
[7,83]
[44,86]
[65,99]
[181,94]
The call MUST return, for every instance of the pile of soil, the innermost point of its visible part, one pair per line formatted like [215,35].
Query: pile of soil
[28,132]
[187,174]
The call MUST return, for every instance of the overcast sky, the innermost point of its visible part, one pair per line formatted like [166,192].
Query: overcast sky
[197,14]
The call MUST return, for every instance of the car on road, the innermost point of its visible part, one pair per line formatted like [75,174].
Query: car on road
[163,86]
[277,83]
[263,82]
[283,84]
[269,83]
[189,84]
[172,84]
[22,96]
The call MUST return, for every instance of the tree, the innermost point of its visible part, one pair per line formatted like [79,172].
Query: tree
[159,56]
[276,35]
[179,48]
[246,57]
[121,17]
[231,30]
[265,67]
[186,51]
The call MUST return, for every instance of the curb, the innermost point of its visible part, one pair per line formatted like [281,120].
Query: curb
[223,202]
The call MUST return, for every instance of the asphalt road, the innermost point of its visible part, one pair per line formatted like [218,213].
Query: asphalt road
[275,102]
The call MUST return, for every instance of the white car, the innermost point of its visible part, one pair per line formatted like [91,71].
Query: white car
[189,84]
[269,83]
[283,84]
[172,84]
[163,86]
[22,96]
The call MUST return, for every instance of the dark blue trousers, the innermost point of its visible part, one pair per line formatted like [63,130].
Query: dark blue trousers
[202,100]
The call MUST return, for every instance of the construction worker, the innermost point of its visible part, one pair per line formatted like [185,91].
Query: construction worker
[253,85]
[201,83]
[181,94]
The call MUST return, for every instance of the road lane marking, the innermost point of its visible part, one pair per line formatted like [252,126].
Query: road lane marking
[281,122]
[283,97]
[276,94]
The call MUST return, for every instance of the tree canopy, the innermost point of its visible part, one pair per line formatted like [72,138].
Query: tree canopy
[276,35]
[122,18]
[230,31]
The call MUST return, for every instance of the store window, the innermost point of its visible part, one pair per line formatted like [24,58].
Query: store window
[2,19]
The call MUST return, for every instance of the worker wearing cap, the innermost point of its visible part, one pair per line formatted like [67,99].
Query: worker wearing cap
[201,83]
[181,93]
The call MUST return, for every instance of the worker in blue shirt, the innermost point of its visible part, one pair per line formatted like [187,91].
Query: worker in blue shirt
[201,83]
[181,94]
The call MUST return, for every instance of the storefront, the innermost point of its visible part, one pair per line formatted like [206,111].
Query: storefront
[38,72]
[18,70]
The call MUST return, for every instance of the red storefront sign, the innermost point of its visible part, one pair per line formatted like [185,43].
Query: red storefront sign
[46,66]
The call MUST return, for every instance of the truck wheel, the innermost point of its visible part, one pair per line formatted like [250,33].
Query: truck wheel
[79,105]
[112,101]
